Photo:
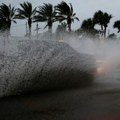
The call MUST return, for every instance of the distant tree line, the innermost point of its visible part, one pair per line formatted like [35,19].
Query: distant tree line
[62,12]
[45,13]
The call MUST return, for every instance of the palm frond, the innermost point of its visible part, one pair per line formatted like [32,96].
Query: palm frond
[39,19]
[71,10]
[65,12]
[76,18]
[63,8]
[45,26]
[14,21]
[7,11]
[26,11]
[117,25]
[46,13]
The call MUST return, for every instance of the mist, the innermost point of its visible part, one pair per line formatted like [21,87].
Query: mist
[104,50]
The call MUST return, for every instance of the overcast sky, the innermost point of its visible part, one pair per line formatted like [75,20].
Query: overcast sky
[83,9]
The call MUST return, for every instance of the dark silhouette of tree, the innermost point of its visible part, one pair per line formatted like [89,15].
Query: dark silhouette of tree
[26,12]
[112,36]
[102,19]
[117,25]
[62,27]
[87,28]
[7,16]
[65,12]
[61,30]
[107,18]
[98,18]
[47,14]
[87,24]
[3,25]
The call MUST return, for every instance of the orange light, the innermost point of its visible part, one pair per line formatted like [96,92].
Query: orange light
[102,68]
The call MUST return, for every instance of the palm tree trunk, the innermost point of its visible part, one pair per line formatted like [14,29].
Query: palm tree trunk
[50,26]
[102,30]
[50,32]
[8,31]
[102,27]
[29,24]
[8,28]
[69,23]
[50,29]
[69,27]
[105,32]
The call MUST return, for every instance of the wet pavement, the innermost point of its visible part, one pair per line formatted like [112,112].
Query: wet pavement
[99,101]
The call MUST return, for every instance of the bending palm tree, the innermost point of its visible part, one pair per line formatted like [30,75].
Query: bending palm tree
[26,12]
[107,18]
[7,15]
[98,18]
[117,25]
[87,24]
[46,14]
[65,12]
[61,29]
[102,19]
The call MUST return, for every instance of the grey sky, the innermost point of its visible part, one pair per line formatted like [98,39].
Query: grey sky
[83,8]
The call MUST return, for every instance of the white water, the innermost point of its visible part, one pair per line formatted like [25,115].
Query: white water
[107,55]
[28,65]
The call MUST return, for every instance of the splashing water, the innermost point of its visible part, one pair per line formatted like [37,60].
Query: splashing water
[107,56]
[31,65]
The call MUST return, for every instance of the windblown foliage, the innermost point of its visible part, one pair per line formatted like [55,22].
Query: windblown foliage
[47,14]
[7,15]
[65,12]
[26,12]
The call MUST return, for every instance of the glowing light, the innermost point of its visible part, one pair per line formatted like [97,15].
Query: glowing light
[102,68]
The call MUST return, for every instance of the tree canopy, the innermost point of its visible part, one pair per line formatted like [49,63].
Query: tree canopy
[65,12]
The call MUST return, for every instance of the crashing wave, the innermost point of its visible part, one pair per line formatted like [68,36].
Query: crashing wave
[43,65]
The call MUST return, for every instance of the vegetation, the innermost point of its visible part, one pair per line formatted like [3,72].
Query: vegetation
[112,36]
[61,30]
[48,13]
[102,19]
[7,15]
[87,28]
[26,12]
[117,25]
[88,24]
[62,27]
[65,12]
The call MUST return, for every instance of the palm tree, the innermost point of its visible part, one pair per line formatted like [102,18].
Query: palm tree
[117,25]
[7,16]
[112,36]
[98,18]
[61,30]
[107,18]
[87,24]
[47,14]
[62,27]
[3,25]
[102,19]
[65,12]
[26,12]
